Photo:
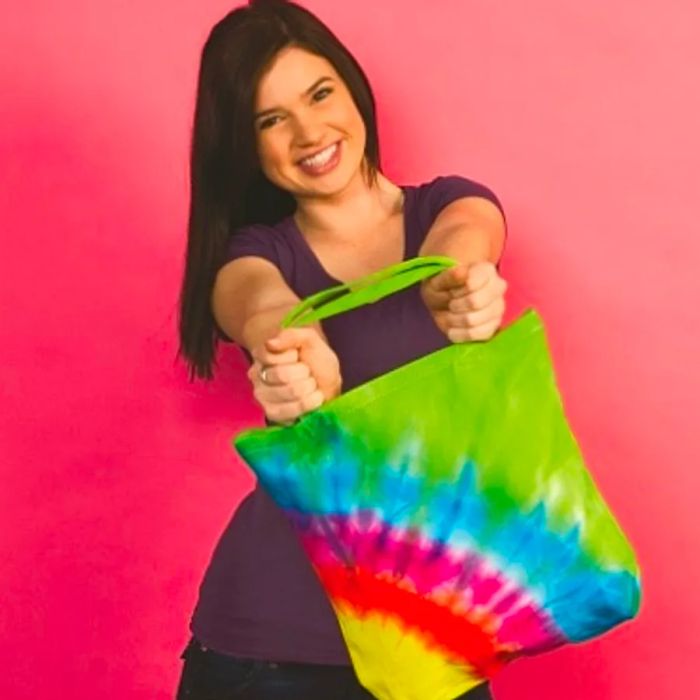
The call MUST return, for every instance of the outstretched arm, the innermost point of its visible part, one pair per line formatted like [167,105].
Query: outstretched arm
[467,302]
[249,301]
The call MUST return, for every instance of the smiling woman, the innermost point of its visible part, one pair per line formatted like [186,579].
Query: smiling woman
[316,141]
[288,198]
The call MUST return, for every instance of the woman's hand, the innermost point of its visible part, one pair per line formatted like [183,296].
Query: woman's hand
[293,373]
[466,303]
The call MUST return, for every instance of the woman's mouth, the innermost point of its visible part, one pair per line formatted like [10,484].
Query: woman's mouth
[322,162]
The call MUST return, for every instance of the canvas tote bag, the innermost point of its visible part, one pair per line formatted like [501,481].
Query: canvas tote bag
[446,508]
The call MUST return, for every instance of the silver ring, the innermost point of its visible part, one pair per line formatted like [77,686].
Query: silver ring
[263,375]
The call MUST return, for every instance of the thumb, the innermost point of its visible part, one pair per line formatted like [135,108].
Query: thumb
[459,274]
[287,339]
[450,279]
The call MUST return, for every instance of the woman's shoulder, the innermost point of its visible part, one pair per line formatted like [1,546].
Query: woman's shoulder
[431,196]
[256,230]
[275,243]
[454,183]
[265,240]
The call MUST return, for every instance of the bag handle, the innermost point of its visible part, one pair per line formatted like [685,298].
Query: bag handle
[365,290]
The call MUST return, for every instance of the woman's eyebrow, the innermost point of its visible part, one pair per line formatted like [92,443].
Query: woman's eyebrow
[306,92]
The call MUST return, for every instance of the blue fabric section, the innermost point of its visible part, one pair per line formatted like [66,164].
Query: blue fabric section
[583,599]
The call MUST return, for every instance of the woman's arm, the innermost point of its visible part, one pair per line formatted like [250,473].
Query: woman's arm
[467,302]
[470,229]
[249,301]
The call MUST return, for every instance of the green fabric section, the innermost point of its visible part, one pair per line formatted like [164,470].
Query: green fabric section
[366,290]
[495,403]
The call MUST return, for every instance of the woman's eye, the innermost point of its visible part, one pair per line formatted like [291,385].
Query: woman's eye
[266,123]
[318,96]
[323,92]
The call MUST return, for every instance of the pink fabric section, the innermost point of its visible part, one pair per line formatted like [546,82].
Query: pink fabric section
[118,474]
[507,610]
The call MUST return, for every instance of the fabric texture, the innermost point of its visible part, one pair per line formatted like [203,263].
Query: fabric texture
[260,597]
[447,510]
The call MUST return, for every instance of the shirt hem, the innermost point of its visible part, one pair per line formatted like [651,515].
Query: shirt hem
[249,649]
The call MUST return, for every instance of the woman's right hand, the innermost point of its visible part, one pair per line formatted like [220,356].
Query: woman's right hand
[301,373]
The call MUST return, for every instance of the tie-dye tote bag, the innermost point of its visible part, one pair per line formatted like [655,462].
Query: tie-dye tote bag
[446,508]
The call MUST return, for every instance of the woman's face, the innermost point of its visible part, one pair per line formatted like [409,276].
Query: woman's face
[303,109]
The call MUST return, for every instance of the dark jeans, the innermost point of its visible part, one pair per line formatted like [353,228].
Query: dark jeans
[208,675]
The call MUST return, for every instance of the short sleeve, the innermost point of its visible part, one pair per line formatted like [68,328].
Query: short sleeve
[446,189]
[257,241]
[434,196]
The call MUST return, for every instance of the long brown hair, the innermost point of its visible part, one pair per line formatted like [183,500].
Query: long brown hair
[227,187]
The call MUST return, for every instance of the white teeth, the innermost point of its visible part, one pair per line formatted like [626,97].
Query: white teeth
[321,158]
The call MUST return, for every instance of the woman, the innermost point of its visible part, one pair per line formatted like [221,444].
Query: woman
[287,198]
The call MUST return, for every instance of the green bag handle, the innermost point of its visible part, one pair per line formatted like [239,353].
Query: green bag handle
[365,290]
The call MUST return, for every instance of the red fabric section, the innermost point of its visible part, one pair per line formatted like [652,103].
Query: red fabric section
[438,626]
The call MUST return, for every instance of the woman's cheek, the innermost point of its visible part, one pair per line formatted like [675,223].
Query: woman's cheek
[270,155]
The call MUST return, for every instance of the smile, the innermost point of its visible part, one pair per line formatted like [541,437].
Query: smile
[323,161]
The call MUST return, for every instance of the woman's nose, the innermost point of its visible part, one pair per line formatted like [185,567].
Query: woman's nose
[307,132]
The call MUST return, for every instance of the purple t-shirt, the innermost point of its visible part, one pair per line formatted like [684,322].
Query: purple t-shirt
[260,597]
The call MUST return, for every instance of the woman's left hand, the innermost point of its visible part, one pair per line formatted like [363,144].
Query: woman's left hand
[466,303]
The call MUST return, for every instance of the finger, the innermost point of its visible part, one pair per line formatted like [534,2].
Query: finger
[269,357]
[436,301]
[450,279]
[285,393]
[289,338]
[472,319]
[253,371]
[486,295]
[279,374]
[291,410]
[482,332]
[311,401]
[468,301]
[288,374]
[479,304]
[439,290]
[480,275]
[459,304]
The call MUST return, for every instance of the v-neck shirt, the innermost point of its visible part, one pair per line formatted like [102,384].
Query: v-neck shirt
[260,597]
[371,340]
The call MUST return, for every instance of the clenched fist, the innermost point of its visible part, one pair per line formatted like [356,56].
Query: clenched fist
[466,303]
[293,373]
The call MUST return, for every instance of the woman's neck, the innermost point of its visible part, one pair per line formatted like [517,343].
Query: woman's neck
[357,208]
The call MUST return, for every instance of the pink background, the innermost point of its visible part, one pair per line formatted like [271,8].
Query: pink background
[117,475]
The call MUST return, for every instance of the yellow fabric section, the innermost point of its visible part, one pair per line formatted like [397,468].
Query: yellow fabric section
[396,664]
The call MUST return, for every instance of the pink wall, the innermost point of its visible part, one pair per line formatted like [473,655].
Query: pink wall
[117,475]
